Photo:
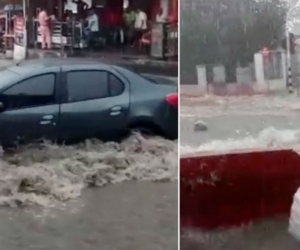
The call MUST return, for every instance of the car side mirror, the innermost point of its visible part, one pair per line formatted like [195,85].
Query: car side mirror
[1,107]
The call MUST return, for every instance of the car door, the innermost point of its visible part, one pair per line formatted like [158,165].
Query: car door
[30,110]
[96,104]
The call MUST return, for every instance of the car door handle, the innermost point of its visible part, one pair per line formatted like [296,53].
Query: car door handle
[45,122]
[116,109]
[47,117]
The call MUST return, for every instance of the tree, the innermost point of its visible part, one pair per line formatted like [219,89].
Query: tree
[229,32]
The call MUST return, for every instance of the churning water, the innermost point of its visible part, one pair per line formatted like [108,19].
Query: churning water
[268,138]
[49,174]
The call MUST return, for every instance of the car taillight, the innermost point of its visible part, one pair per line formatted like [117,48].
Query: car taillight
[172,99]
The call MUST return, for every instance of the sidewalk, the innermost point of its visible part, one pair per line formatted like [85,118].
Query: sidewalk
[4,63]
[140,63]
[145,66]
[271,87]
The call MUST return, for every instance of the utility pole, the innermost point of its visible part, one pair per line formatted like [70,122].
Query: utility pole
[288,28]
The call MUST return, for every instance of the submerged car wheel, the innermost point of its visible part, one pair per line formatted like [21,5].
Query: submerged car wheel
[146,130]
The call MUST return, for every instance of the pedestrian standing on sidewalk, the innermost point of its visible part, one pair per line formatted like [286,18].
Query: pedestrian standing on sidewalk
[128,24]
[82,8]
[160,17]
[92,28]
[44,27]
[140,26]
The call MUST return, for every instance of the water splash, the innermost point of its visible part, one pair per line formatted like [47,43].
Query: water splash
[268,138]
[49,173]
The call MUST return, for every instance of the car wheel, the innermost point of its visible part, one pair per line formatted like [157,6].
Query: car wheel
[144,128]
[144,131]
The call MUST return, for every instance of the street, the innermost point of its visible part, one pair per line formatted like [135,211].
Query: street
[236,123]
[91,195]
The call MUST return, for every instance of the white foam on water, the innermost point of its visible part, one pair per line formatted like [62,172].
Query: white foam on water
[49,174]
[268,138]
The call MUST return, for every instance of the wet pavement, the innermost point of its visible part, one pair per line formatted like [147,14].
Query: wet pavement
[125,216]
[140,63]
[264,235]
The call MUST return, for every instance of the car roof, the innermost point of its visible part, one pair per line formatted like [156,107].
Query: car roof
[28,66]
[50,62]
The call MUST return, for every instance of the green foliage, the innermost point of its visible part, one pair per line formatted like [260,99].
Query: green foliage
[229,32]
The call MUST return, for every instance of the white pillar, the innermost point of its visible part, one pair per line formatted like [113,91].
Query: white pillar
[201,78]
[244,75]
[219,73]
[259,70]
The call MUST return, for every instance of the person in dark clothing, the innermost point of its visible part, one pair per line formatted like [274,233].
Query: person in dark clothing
[81,7]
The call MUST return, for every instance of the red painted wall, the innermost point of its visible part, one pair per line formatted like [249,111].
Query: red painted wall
[173,10]
[225,190]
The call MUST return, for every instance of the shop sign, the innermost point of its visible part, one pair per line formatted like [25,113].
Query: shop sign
[19,43]
[19,31]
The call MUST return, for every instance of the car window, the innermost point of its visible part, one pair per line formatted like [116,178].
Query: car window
[87,85]
[131,74]
[116,85]
[35,91]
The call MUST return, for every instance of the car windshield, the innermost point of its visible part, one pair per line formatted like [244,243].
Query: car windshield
[6,77]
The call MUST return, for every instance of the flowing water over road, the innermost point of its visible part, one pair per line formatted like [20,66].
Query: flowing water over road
[234,123]
[90,196]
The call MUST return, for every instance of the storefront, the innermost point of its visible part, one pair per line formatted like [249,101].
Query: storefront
[110,13]
[12,29]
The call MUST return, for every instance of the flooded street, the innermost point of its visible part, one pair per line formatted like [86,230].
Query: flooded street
[90,196]
[265,235]
[122,216]
[236,123]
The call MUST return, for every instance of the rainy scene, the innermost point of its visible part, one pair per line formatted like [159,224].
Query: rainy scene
[239,132]
[89,124]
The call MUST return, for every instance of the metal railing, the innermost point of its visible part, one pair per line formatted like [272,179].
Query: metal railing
[171,36]
[164,40]
[64,34]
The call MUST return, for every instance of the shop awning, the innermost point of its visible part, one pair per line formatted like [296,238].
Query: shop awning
[10,7]
[11,2]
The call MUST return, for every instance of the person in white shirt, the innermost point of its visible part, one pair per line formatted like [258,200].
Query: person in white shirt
[160,17]
[140,20]
[140,25]
[92,26]
[93,21]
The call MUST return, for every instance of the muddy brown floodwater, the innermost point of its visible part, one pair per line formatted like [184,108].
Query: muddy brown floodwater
[90,196]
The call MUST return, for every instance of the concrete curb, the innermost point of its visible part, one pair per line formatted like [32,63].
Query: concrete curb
[224,90]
